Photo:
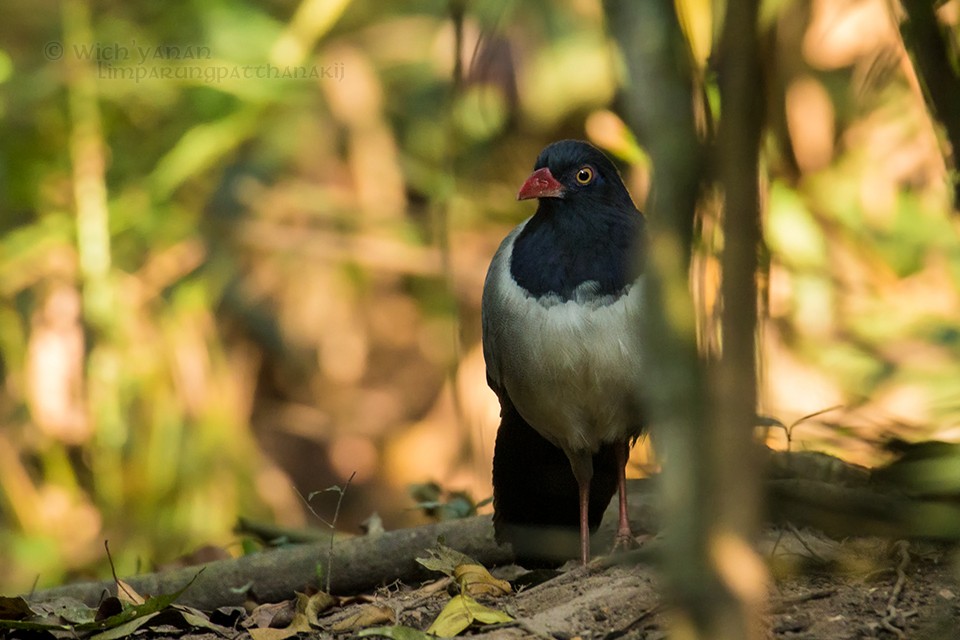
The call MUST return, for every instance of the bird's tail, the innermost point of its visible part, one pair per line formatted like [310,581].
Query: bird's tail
[535,495]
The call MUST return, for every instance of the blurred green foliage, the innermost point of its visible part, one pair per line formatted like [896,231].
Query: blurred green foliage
[196,198]
[240,238]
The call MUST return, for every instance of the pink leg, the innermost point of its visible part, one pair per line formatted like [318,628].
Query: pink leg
[624,539]
[584,522]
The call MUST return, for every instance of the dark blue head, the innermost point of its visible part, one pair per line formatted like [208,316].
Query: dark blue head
[586,227]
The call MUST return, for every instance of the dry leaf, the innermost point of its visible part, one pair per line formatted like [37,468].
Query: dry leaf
[475,580]
[460,613]
[274,614]
[445,560]
[365,616]
[313,606]
[299,624]
[128,595]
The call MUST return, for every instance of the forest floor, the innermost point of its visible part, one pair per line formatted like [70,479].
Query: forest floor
[870,589]
[861,581]
[818,588]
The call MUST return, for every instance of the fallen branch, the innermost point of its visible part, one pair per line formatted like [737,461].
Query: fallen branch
[802,489]
[272,576]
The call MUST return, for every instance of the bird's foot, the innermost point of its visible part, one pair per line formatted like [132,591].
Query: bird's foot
[625,541]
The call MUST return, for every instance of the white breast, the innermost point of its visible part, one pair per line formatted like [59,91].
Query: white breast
[572,369]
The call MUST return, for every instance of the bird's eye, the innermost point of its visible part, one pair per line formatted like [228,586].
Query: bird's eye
[584,175]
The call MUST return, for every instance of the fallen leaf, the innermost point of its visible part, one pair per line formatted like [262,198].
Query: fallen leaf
[445,560]
[274,614]
[199,620]
[364,617]
[460,613]
[128,596]
[298,625]
[151,606]
[124,630]
[313,606]
[475,580]
[15,608]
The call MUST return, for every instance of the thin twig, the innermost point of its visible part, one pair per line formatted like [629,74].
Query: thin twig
[803,419]
[113,570]
[903,547]
[331,524]
[796,533]
[630,626]
[783,603]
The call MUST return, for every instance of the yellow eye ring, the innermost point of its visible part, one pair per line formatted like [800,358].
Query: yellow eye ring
[584,175]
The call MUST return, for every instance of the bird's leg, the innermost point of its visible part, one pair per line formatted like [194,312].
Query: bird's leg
[624,539]
[584,522]
[582,464]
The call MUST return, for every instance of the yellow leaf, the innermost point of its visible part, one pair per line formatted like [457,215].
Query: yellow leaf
[460,613]
[475,580]
[313,605]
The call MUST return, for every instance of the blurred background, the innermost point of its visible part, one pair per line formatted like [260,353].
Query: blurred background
[243,246]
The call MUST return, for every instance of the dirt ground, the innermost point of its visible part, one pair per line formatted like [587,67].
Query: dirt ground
[819,588]
[864,589]
[833,587]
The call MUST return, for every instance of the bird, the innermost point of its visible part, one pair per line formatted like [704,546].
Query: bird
[560,314]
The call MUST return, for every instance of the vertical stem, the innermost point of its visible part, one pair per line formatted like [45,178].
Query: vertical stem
[442,211]
[87,157]
[93,247]
[734,463]
[659,103]
[926,40]
[710,483]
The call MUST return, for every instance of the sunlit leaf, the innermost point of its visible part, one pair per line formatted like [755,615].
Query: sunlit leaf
[128,595]
[475,580]
[460,613]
